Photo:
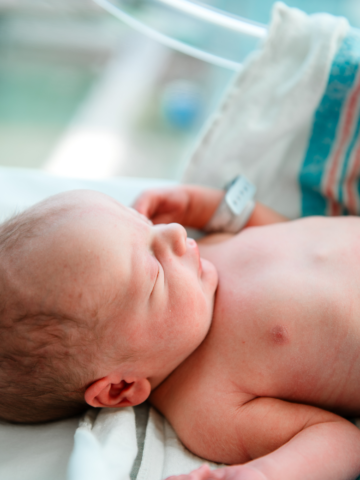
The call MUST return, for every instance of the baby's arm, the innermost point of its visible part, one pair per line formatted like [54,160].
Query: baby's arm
[284,441]
[193,206]
[300,441]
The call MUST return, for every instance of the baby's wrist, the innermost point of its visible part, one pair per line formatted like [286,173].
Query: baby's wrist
[263,215]
[235,209]
[203,202]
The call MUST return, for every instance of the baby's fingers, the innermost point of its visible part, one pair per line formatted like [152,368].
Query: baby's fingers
[236,472]
[201,473]
[163,205]
[148,202]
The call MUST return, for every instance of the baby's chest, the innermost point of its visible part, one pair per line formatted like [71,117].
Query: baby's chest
[273,351]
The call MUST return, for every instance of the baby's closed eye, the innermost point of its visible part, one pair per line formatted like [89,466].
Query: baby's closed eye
[156,281]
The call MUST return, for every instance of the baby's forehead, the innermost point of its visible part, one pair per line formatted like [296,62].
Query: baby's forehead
[105,203]
[97,226]
[78,246]
[91,204]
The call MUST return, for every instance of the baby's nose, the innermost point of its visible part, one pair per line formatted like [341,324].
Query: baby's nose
[174,236]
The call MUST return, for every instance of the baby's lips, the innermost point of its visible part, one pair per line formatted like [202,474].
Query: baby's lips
[192,244]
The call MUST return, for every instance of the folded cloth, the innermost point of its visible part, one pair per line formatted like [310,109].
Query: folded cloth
[104,445]
[164,454]
[107,445]
[290,120]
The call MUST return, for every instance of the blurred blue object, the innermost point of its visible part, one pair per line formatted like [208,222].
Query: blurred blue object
[181,103]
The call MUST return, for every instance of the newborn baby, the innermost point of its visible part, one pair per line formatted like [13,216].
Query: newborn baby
[251,349]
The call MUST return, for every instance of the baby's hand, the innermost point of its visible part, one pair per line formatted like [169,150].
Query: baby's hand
[191,206]
[164,205]
[237,472]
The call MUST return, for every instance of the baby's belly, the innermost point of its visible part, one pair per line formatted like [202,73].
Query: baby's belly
[283,327]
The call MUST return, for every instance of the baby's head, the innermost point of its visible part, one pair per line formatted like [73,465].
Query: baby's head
[97,306]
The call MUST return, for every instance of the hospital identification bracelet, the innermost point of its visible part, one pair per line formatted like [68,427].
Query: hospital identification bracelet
[235,209]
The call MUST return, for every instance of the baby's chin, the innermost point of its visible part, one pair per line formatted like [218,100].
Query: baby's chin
[209,276]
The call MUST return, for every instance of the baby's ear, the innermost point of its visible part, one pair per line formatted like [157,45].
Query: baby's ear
[113,392]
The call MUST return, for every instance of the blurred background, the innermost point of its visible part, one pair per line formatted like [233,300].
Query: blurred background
[82,94]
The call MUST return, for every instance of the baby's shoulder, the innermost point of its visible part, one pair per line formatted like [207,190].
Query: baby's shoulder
[202,409]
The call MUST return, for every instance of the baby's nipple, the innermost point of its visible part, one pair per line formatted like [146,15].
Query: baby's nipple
[279,335]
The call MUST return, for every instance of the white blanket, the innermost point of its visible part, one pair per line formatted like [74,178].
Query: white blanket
[106,446]
[280,119]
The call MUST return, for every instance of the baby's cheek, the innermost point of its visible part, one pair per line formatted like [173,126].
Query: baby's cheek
[194,310]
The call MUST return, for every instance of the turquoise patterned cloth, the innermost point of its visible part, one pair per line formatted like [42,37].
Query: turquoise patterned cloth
[330,174]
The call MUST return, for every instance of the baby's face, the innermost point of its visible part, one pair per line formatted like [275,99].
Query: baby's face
[152,293]
[164,289]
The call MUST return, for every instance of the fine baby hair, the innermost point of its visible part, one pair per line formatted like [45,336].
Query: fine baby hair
[44,350]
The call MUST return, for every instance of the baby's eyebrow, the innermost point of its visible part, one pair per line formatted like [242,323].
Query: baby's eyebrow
[132,210]
[140,215]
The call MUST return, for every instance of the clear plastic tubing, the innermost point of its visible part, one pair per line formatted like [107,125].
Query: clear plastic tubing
[209,14]
[213,15]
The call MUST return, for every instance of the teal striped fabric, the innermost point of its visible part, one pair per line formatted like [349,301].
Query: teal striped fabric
[330,174]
